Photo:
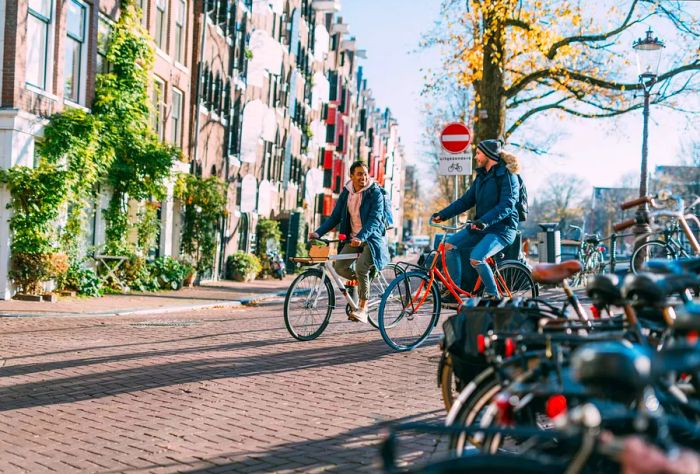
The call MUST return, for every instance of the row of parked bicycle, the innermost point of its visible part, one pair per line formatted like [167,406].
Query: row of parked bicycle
[534,387]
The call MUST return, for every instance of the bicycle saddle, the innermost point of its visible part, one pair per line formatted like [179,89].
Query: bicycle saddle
[552,273]
[614,369]
[681,265]
[604,290]
[592,239]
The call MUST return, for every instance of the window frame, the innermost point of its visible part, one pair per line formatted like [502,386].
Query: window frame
[161,38]
[48,30]
[176,117]
[103,19]
[181,28]
[82,56]
[158,121]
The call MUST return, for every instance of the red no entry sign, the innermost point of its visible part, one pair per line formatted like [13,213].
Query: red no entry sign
[455,138]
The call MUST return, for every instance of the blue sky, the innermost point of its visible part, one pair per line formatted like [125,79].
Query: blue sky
[600,151]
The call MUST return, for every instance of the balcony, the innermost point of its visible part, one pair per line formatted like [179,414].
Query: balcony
[326,5]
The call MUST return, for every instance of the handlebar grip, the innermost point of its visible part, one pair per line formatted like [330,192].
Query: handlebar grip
[626,224]
[636,202]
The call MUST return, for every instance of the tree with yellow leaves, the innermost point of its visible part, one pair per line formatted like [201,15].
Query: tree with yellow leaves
[523,57]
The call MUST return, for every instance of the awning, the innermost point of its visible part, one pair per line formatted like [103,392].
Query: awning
[265,194]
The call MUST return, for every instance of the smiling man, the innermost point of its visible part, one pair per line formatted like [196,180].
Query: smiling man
[359,213]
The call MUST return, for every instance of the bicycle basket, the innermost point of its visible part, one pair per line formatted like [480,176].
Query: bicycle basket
[319,251]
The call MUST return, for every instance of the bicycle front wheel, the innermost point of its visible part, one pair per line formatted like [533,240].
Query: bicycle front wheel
[517,280]
[652,250]
[409,310]
[308,305]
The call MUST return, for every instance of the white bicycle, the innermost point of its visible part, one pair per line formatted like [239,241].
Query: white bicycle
[310,299]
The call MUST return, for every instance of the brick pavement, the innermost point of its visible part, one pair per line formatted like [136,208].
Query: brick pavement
[218,390]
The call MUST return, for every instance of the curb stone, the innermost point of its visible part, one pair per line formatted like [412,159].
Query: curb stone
[128,312]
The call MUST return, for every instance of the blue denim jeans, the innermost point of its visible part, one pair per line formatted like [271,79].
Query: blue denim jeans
[475,246]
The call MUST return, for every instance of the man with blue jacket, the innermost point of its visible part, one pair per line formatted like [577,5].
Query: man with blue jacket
[359,213]
[494,192]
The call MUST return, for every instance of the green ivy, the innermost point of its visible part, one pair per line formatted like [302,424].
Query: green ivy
[205,207]
[37,195]
[148,228]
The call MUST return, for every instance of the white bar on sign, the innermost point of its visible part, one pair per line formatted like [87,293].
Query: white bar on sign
[455,138]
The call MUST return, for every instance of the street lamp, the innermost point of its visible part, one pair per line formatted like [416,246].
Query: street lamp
[648,52]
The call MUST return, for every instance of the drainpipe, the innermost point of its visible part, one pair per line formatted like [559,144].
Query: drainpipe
[202,44]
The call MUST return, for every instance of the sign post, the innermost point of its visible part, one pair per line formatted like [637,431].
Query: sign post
[455,159]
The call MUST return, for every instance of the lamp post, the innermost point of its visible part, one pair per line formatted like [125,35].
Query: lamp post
[648,52]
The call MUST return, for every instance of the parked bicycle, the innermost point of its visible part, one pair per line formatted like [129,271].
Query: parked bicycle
[310,299]
[591,254]
[669,247]
[411,305]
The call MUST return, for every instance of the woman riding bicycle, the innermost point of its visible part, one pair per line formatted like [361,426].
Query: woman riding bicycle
[495,193]
[359,213]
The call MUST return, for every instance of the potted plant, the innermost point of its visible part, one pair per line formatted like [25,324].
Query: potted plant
[242,266]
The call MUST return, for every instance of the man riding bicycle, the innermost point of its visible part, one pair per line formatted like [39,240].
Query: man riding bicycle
[359,213]
[494,192]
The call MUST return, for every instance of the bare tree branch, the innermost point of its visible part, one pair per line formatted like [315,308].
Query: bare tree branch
[531,112]
[520,84]
[600,37]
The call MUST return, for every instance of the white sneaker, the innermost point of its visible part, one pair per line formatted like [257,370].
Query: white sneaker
[360,316]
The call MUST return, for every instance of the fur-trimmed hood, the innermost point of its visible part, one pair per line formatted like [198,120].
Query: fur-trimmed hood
[511,161]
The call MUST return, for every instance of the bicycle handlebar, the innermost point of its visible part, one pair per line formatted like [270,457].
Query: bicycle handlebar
[636,202]
[626,224]
[449,227]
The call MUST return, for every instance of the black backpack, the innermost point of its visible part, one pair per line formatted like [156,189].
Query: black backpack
[521,204]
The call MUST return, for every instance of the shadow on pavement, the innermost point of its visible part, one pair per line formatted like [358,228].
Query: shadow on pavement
[103,384]
[356,450]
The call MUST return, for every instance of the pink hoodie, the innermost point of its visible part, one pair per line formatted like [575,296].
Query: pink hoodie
[354,202]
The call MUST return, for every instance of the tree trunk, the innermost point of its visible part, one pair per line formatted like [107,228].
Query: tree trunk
[490,117]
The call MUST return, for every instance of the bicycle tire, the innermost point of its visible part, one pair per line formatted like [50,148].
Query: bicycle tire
[518,279]
[481,392]
[447,381]
[654,249]
[405,288]
[293,327]
[389,274]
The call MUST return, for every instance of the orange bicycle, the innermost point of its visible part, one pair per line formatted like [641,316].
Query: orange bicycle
[410,307]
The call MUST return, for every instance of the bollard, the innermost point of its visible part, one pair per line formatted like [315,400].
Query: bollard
[549,243]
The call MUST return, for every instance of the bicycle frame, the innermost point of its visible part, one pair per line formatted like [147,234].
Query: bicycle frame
[329,272]
[446,279]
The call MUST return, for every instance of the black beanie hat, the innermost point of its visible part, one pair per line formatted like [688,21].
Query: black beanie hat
[491,148]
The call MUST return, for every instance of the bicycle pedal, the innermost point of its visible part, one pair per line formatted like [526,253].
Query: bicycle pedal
[352,283]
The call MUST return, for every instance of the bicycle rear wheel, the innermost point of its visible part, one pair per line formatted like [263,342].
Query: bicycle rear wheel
[308,305]
[377,288]
[409,310]
[518,279]
[652,250]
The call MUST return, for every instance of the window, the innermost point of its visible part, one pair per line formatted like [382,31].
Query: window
[104,31]
[161,24]
[75,42]
[142,5]
[176,118]
[38,24]
[180,18]
[158,103]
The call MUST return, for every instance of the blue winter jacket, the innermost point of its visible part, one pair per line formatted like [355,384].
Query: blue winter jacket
[494,193]
[372,217]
